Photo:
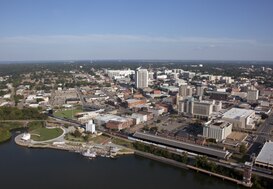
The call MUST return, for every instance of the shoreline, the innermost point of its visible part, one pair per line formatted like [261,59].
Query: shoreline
[69,148]
[189,167]
[171,162]
[6,140]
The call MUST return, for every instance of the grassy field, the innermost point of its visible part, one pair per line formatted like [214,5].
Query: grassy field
[70,137]
[122,142]
[35,125]
[67,113]
[11,125]
[42,134]
[99,139]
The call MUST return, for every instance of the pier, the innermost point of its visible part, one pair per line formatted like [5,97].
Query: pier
[220,176]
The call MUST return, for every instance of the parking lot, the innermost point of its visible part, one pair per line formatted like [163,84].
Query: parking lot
[168,123]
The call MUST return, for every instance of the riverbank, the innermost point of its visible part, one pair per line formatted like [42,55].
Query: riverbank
[101,150]
[5,135]
[185,166]
[7,128]
[54,169]
[78,147]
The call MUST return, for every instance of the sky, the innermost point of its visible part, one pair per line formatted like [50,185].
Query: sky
[136,29]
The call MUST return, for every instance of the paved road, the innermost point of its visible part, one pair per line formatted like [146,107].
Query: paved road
[51,100]
[78,90]
[266,127]
[73,122]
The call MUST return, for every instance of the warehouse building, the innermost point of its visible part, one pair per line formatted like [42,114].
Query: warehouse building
[265,157]
[212,152]
[240,118]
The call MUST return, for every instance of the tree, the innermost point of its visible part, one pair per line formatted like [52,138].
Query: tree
[39,100]
[77,133]
[146,128]
[13,113]
[184,157]
[154,129]
[264,116]
[17,98]
[242,148]
[201,161]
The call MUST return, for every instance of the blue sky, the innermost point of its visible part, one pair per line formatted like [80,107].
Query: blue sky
[136,29]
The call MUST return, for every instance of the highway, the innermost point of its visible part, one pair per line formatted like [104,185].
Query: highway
[78,90]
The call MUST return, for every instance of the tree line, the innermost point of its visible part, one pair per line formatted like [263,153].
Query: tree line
[13,113]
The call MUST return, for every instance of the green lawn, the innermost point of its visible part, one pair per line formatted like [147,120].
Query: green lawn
[35,125]
[70,137]
[67,113]
[42,134]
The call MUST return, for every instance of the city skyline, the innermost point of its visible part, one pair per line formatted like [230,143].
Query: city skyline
[64,30]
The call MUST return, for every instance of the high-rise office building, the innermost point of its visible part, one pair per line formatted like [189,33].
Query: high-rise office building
[252,95]
[183,90]
[142,78]
[200,90]
[217,129]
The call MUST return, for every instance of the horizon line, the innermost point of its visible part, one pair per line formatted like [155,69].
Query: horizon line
[133,59]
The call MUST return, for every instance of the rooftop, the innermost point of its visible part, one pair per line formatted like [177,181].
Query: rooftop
[133,100]
[237,136]
[107,117]
[170,88]
[183,145]
[266,154]
[221,123]
[236,113]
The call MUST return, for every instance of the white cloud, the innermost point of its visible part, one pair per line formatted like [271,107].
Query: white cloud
[114,46]
[59,39]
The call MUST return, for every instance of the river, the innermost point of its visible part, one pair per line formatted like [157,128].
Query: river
[24,168]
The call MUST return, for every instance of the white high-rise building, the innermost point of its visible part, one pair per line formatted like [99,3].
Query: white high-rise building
[198,108]
[202,109]
[142,78]
[183,90]
[151,76]
[218,130]
[252,95]
[90,127]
